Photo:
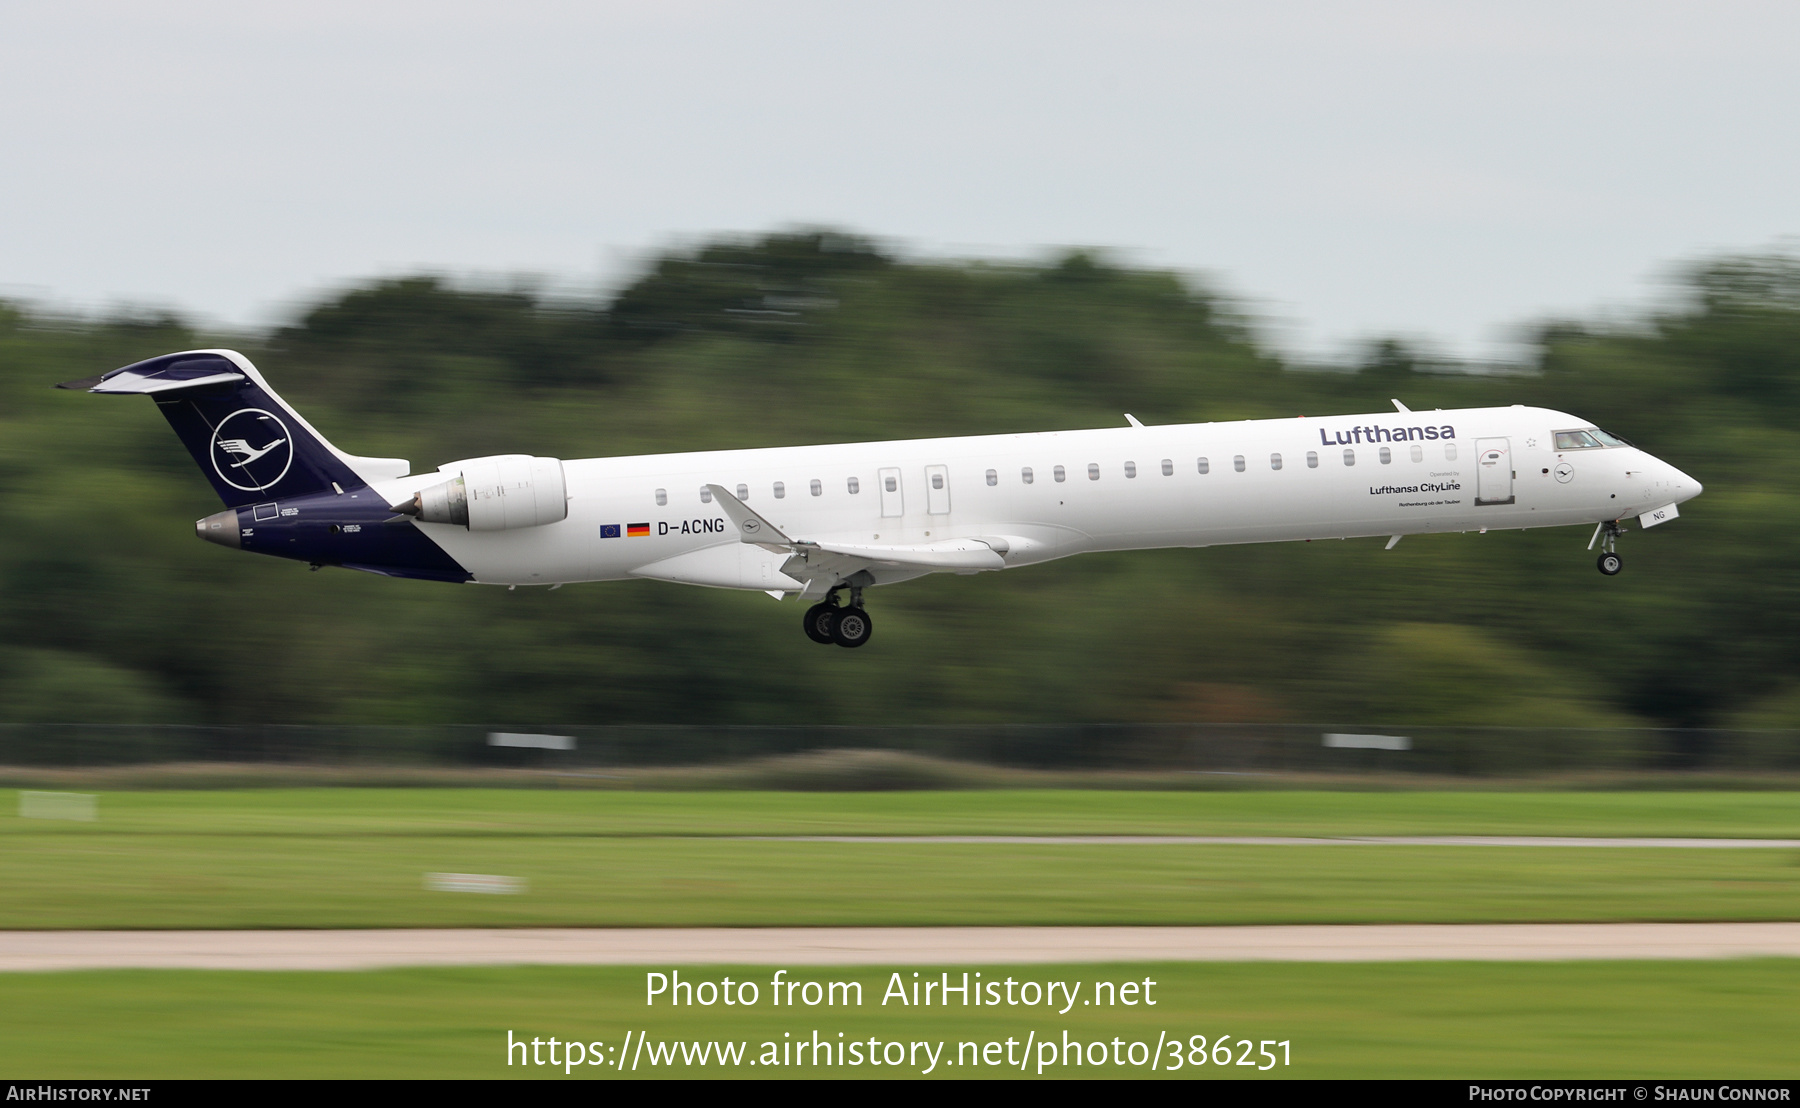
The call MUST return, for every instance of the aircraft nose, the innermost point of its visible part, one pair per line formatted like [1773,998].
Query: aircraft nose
[1686,488]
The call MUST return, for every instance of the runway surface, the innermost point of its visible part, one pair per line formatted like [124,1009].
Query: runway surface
[889,946]
[1288,840]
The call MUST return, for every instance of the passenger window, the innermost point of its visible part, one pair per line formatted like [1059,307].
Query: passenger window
[662,498]
[853,485]
[1237,463]
[1131,469]
[743,492]
[817,488]
[891,484]
[993,478]
[1059,474]
[1274,461]
[1418,452]
[1387,456]
[1204,467]
[780,491]
[1349,457]
[1168,467]
[705,495]
[1312,459]
[1093,471]
[1025,475]
[1450,451]
[937,480]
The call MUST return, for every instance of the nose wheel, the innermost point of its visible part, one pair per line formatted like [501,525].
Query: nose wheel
[828,622]
[1607,535]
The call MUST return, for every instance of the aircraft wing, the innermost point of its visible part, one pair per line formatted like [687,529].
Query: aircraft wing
[948,554]
[820,559]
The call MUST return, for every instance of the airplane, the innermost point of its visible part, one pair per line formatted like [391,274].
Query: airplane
[817,522]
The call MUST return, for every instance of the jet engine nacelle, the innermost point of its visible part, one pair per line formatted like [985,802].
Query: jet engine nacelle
[501,493]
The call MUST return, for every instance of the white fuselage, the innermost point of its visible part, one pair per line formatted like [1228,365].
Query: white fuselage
[1123,488]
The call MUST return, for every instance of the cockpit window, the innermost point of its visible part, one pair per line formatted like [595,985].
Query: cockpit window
[1606,439]
[1576,440]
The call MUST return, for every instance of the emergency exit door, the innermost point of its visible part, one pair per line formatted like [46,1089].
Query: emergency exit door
[937,490]
[1493,471]
[889,480]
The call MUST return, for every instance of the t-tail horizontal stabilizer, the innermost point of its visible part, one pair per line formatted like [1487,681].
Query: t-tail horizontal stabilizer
[162,375]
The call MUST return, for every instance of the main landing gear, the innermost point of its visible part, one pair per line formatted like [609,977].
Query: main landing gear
[827,622]
[1607,534]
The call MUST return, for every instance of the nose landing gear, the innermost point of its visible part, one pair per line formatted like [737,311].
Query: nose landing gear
[1607,535]
[827,622]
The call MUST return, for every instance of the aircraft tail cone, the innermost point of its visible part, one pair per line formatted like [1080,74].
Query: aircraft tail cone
[222,528]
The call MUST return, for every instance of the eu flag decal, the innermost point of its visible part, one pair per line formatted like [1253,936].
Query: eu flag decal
[638,530]
[609,530]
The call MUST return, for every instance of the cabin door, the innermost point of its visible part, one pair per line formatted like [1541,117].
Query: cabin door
[1493,471]
[889,480]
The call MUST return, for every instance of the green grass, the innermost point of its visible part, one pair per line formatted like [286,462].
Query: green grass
[516,812]
[356,858]
[179,882]
[1640,1020]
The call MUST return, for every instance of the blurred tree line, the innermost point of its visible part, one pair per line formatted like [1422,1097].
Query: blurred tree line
[111,611]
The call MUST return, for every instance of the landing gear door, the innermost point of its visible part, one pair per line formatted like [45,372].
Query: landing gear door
[1493,471]
[937,490]
[889,480]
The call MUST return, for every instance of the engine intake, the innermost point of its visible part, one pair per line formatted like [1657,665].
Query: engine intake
[501,493]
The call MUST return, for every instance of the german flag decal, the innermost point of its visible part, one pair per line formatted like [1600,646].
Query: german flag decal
[637,530]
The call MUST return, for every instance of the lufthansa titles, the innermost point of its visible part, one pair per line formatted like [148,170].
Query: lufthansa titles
[1423,486]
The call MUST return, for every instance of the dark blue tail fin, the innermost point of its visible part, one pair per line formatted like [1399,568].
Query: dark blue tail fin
[248,442]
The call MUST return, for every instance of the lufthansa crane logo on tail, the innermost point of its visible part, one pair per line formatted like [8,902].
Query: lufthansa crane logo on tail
[252,449]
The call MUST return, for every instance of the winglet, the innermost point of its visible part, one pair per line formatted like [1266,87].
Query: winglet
[1133,420]
[752,528]
[1399,407]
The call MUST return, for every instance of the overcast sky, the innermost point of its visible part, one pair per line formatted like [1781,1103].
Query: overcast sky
[1442,170]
